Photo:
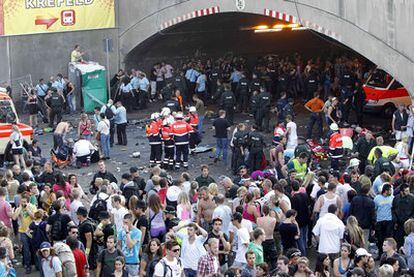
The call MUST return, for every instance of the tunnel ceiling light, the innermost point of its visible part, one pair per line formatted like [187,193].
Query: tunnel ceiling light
[261,27]
[268,30]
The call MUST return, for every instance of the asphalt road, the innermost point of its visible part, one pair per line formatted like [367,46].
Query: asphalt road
[121,156]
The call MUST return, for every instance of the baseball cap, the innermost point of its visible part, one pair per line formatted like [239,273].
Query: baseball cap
[45,246]
[362,252]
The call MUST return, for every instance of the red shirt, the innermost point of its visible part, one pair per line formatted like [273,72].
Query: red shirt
[80,261]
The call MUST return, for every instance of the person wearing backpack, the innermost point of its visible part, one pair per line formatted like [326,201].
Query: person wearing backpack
[109,110]
[57,224]
[86,230]
[51,265]
[100,203]
[170,265]
[37,233]
[106,258]
[65,255]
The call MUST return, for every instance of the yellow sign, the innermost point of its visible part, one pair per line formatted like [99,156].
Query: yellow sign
[19,17]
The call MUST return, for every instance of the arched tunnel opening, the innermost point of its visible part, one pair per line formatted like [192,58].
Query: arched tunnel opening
[224,34]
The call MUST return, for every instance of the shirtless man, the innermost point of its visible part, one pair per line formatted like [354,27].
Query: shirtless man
[60,132]
[268,223]
[205,210]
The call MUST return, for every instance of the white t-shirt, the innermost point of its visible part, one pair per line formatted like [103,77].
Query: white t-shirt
[191,253]
[103,127]
[174,268]
[74,206]
[119,216]
[223,212]
[342,191]
[187,187]
[243,240]
[82,148]
[292,137]
[330,230]
[16,137]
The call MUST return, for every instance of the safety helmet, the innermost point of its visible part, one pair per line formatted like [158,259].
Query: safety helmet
[192,109]
[165,111]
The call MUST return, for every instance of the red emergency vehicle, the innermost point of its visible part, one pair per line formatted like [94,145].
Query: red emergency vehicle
[384,93]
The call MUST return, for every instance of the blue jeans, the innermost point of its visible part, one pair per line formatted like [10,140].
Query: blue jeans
[190,272]
[27,255]
[200,125]
[303,239]
[222,145]
[71,103]
[105,145]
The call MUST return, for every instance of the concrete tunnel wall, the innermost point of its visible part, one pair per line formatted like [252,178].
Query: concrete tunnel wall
[380,30]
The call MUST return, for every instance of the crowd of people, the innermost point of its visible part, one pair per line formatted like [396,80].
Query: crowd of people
[276,212]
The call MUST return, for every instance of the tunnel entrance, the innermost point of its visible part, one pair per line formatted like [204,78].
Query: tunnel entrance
[224,34]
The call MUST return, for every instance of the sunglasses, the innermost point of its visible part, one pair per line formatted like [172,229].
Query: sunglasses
[175,250]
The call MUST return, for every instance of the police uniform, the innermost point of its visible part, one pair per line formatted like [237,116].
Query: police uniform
[255,143]
[212,80]
[254,106]
[56,104]
[173,105]
[154,138]
[180,84]
[239,144]
[228,101]
[180,131]
[311,85]
[263,112]
[243,94]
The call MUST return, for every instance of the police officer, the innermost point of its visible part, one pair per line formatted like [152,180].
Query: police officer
[135,88]
[55,102]
[172,104]
[228,102]
[154,138]
[180,84]
[242,92]
[144,85]
[255,142]
[213,77]
[168,141]
[192,119]
[255,83]
[219,89]
[263,111]
[254,106]
[238,144]
[180,131]
[311,84]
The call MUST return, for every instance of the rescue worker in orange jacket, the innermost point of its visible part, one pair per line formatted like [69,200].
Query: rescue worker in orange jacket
[336,150]
[154,138]
[192,119]
[180,131]
[167,138]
